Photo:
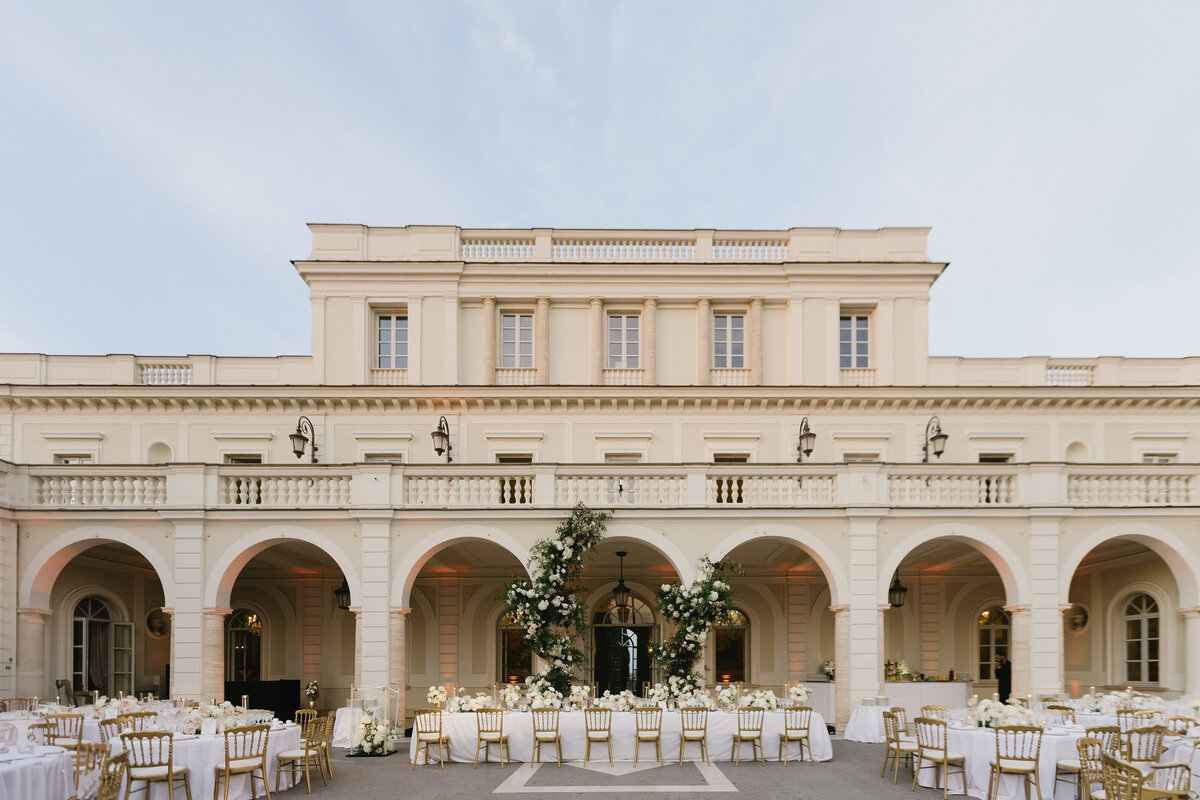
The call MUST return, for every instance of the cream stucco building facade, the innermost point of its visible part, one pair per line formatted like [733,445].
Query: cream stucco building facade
[662,375]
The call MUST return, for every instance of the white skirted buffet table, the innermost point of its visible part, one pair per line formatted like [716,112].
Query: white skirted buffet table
[866,724]
[518,726]
[45,773]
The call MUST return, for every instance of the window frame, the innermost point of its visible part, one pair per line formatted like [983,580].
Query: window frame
[747,629]
[1142,619]
[517,357]
[394,315]
[992,645]
[624,357]
[729,343]
[853,341]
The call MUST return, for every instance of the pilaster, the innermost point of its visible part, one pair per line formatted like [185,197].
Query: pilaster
[842,658]
[798,601]
[1045,658]
[448,629]
[650,341]
[703,341]
[488,325]
[755,324]
[932,609]
[865,670]
[189,647]
[398,661]
[8,607]
[541,340]
[597,347]
[1191,642]
[32,679]
[212,675]
[373,619]
[1019,654]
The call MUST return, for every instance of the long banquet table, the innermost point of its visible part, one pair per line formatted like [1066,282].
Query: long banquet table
[45,774]
[463,733]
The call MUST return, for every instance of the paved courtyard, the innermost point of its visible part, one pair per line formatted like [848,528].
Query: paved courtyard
[852,774]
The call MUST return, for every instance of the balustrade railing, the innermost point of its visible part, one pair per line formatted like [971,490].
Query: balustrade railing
[515,376]
[622,249]
[725,376]
[249,488]
[623,377]
[936,488]
[165,373]
[610,490]
[1069,374]
[757,249]
[497,248]
[389,377]
[1117,489]
[858,376]
[99,491]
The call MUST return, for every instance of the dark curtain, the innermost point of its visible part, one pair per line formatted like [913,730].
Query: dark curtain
[99,654]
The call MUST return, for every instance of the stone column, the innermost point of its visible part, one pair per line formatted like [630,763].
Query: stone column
[358,644]
[650,341]
[373,621]
[398,661]
[865,630]
[703,342]
[189,648]
[489,324]
[1045,645]
[541,341]
[8,607]
[597,344]
[754,323]
[1191,642]
[931,610]
[1019,651]
[212,676]
[32,679]
[842,658]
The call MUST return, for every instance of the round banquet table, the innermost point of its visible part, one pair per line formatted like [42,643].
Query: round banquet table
[866,724]
[518,726]
[978,747]
[91,727]
[203,754]
[45,774]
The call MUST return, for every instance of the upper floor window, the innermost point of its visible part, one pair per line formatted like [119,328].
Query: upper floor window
[243,458]
[623,341]
[729,341]
[853,341]
[73,458]
[516,341]
[391,341]
[995,458]
[1141,639]
[1159,458]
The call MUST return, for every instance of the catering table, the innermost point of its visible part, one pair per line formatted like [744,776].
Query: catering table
[202,754]
[463,733]
[345,723]
[44,774]
[866,724]
[978,747]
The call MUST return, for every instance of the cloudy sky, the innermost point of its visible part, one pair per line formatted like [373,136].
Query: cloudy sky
[158,162]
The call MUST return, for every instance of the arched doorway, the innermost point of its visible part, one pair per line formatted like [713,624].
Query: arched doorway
[101,649]
[622,645]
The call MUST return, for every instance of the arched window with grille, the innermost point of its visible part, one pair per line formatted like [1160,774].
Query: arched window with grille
[994,627]
[243,646]
[516,662]
[1141,639]
[731,647]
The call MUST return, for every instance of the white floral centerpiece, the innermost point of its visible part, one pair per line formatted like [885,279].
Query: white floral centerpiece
[436,695]
[541,694]
[1143,700]
[728,696]
[993,713]
[116,706]
[829,669]
[511,694]
[312,691]
[680,685]
[696,698]
[579,695]
[761,698]
[658,693]
[191,721]
[798,693]
[622,701]
[225,715]
[374,736]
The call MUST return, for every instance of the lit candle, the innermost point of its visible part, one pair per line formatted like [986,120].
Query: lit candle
[35,701]
[55,699]
[95,696]
[1092,691]
[245,701]
[996,696]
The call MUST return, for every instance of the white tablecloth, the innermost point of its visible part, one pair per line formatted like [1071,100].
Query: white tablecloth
[45,774]
[463,733]
[202,754]
[866,724]
[345,722]
[91,728]
[978,747]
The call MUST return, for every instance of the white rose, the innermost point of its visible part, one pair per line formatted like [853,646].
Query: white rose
[543,605]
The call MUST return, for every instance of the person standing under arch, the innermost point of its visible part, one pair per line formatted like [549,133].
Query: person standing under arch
[1003,676]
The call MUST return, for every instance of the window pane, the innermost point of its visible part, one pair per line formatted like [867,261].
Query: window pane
[845,362]
[860,322]
[385,322]
[1152,672]
[1152,627]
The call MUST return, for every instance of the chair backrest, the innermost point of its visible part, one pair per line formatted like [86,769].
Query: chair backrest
[111,775]
[931,733]
[934,712]
[545,720]
[750,718]
[1127,718]
[427,721]
[648,718]
[901,717]
[1109,736]
[38,733]
[113,728]
[141,720]
[797,718]
[1052,700]
[304,718]
[694,719]
[891,727]
[490,720]
[18,704]
[247,741]
[1122,780]
[1148,716]
[8,734]
[1066,712]
[149,748]
[1091,767]
[597,719]
[65,726]
[327,738]
[1180,725]
[1018,742]
[89,757]
[1143,744]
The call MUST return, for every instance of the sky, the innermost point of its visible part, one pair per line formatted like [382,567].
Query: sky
[159,161]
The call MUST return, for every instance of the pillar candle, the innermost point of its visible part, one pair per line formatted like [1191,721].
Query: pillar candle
[55,699]
[245,701]
[95,696]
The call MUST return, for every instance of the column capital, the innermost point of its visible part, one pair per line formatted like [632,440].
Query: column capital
[355,610]
[650,302]
[400,611]
[594,301]
[217,611]
[1017,609]
[1190,611]
[34,615]
[840,609]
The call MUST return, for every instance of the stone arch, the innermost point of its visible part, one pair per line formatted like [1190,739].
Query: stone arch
[39,576]
[416,556]
[226,567]
[1012,570]
[684,567]
[642,591]
[831,567]
[1166,545]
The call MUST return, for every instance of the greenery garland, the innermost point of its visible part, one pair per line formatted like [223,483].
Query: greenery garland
[545,605]
[693,609]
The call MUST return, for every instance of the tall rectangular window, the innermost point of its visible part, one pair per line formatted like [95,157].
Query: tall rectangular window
[623,339]
[729,341]
[391,341]
[516,341]
[853,343]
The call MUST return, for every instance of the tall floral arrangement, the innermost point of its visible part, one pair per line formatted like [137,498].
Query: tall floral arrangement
[545,604]
[693,609]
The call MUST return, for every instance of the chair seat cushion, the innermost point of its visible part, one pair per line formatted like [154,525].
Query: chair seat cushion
[241,764]
[904,737]
[1068,764]
[796,733]
[293,755]
[939,756]
[1015,765]
[597,735]
[154,773]
[905,747]
[493,737]
[545,736]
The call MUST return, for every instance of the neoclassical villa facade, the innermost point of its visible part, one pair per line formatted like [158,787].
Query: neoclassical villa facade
[761,396]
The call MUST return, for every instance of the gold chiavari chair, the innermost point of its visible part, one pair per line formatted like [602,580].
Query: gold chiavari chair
[894,747]
[1179,725]
[1109,736]
[1018,750]
[111,729]
[545,730]
[152,760]
[111,776]
[648,723]
[749,729]
[934,712]
[906,731]
[694,728]
[1175,779]
[304,717]
[38,733]
[490,723]
[427,727]
[1147,716]
[1053,700]
[1065,712]
[327,742]
[88,758]
[141,720]
[64,730]
[1127,718]
[931,747]
[1091,768]
[305,757]
[19,704]
[796,723]
[1142,746]
[245,754]
[1122,780]
[597,724]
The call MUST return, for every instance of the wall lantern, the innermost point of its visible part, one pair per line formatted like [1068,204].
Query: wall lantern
[342,595]
[621,592]
[301,438]
[935,440]
[807,441]
[896,592]
[441,439]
